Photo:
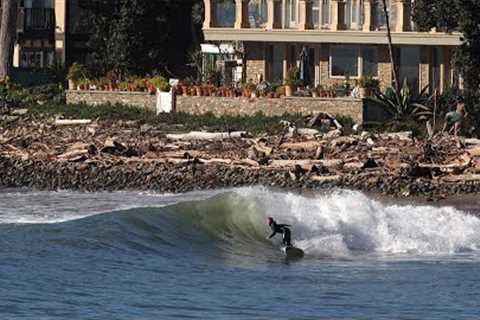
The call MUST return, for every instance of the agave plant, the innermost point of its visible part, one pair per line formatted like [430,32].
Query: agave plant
[405,104]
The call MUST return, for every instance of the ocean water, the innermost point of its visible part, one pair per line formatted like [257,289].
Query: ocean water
[204,255]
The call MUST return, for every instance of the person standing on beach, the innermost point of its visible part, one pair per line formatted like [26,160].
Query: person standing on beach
[454,119]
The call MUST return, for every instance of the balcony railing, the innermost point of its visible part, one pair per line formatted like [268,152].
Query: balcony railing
[39,19]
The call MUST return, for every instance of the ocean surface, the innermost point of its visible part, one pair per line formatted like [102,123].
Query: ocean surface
[204,255]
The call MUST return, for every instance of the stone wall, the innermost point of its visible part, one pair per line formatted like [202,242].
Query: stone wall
[256,62]
[384,67]
[244,106]
[137,99]
[353,108]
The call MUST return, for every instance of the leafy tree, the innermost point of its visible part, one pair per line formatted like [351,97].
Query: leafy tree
[127,36]
[141,36]
[462,16]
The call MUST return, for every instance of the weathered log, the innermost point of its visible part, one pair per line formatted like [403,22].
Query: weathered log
[321,179]
[459,165]
[474,152]
[200,135]
[462,178]
[305,163]
[403,135]
[74,155]
[472,141]
[113,147]
[307,132]
[299,146]
[68,122]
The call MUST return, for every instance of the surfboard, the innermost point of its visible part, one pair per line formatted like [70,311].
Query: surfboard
[293,252]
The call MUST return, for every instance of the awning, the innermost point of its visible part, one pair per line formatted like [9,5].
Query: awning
[223,48]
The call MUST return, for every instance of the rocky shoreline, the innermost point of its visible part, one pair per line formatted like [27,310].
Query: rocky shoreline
[48,155]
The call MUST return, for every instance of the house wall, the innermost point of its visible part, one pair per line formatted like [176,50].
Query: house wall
[256,61]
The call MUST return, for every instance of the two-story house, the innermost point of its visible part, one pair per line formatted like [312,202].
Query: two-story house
[47,32]
[342,38]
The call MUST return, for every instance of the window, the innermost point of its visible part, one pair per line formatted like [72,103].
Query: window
[291,13]
[224,13]
[321,13]
[32,59]
[257,13]
[354,61]
[316,6]
[276,66]
[344,61]
[369,62]
[409,66]
[325,12]
[38,4]
[380,19]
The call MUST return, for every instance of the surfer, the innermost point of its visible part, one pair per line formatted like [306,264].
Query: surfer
[280,228]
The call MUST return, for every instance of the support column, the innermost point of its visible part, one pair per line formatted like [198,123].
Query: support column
[338,15]
[317,65]
[305,15]
[368,9]
[404,8]
[274,14]
[285,60]
[241,14]
[209,14]
[60,30]
[16,55]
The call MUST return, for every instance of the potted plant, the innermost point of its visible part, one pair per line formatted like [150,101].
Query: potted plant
[292,81]
[362,90]
[346,85]
[82,84]
[160,83]
[372,86]
[76,72]
[250,88]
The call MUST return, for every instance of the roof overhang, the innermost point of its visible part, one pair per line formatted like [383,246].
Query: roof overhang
[325,36]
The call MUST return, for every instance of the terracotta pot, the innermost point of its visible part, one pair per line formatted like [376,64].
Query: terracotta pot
[198,91]
[71,85]
[288,91]
[184,90]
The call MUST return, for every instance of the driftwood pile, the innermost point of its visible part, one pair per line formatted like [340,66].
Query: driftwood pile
[77,154]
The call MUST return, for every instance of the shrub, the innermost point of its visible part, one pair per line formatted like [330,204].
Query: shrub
[76,72]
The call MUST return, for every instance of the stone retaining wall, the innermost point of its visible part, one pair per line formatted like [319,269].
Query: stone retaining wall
[244,106]
[353,108]
[138,99]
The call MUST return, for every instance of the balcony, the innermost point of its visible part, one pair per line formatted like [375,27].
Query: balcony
[39,19]
[349,21]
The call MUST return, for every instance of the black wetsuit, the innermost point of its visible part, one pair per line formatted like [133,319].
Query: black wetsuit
[281,228]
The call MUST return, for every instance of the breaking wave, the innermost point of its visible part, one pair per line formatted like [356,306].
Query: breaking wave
[232,223]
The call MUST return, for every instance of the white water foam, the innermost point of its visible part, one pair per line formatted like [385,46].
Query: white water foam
[348,221]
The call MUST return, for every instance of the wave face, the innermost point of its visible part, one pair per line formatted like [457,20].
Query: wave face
[232,223]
